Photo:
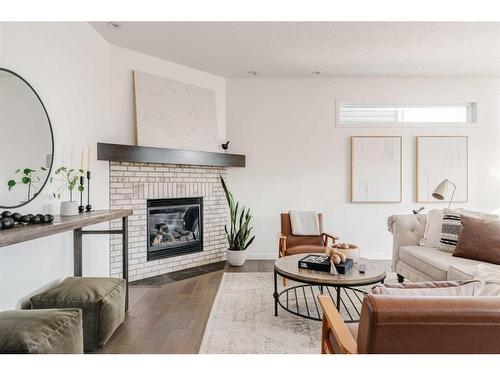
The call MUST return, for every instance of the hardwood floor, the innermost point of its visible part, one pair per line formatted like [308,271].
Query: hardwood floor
[168,313]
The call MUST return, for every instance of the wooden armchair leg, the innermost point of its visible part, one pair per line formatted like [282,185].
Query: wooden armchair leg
[284,281]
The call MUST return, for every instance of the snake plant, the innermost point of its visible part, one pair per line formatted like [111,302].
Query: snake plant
[240,229]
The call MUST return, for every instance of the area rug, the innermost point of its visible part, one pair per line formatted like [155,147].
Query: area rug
[242,320]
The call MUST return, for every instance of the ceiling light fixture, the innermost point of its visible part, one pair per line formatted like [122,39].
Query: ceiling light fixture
[252,73]
[316,73]
[113,25]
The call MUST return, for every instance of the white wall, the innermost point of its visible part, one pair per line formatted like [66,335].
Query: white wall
[123,62]
[86,86]
[298,159]
[67,64]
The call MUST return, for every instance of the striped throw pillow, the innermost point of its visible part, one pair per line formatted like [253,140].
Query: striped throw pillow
[450,231]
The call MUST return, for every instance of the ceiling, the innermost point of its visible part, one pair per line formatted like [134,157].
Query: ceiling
[335,49]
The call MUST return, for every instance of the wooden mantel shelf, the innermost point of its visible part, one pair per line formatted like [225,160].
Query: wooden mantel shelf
[21,233]
[142,154]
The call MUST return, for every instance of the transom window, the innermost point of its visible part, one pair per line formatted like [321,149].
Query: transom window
[372,114]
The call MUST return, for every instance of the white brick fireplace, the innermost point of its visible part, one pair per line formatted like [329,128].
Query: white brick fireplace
[131,184]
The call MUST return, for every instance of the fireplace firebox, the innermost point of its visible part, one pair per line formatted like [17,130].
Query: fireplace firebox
[174,226]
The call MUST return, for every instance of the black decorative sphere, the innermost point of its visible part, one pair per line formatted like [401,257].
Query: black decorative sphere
[25,219]
[51,218]
[6,214]
[35,220]
[7,222]
[17,217]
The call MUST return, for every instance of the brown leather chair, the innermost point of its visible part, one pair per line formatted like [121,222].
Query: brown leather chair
[290,244]
[410,324]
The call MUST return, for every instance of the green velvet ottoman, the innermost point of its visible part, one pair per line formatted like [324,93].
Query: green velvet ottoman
[102,300]
[41,331]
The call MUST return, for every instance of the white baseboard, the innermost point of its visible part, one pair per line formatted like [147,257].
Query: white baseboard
[261,255]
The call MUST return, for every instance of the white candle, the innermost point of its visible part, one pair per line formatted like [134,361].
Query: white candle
[82,158]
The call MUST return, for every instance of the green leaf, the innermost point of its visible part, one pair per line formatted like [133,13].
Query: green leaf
[11,184]
[43,168]
[81,188]
[26,180]
[27,171]
[249,243]
[81,171]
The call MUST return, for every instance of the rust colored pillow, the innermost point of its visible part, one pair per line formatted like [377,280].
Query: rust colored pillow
[479,240]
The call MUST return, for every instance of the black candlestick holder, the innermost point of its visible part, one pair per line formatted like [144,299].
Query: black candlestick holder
[88,207]
[80,207]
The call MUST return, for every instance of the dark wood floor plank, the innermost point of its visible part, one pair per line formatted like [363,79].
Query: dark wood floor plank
[167,319]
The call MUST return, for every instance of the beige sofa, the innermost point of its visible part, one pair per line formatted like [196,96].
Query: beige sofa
[421,263]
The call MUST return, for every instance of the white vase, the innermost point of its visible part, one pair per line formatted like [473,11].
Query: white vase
[69,208]
[236,258]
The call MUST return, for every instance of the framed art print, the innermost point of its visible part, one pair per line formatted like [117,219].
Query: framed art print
[376,168]
[440,158]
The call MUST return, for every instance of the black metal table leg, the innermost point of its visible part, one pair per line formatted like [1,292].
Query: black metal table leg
[338,298]
[77,252]
[125,257]
[275,294]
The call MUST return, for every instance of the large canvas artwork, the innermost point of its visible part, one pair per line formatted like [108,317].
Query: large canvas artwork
[376,169]
[174,114]
[439,158]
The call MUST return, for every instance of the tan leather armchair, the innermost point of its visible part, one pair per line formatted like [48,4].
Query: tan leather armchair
[290,244]
[420,325]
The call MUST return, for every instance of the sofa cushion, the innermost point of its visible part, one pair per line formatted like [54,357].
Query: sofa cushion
[450,230]
[479,240]
[462,272]
[51,331]
[432,262]
[428,260]
[102,300]
[433,228]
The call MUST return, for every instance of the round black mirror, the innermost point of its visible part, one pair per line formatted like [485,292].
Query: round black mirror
[26,141]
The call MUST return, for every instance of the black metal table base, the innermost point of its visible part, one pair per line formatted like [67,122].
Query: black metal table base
[77,250]
[301,300]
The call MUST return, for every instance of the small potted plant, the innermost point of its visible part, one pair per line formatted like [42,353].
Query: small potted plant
[238,236]
[68,179]
[30,179]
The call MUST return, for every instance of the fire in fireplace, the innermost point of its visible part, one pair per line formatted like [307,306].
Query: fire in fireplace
[175,227]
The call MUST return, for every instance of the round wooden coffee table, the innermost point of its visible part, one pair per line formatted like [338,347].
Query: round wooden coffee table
[301,299]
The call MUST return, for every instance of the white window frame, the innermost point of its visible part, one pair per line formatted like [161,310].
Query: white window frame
[470,106]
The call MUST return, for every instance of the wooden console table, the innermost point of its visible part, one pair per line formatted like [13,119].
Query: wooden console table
[22,233]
